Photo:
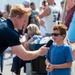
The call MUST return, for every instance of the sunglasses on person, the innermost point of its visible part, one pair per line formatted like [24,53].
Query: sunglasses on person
[55,34]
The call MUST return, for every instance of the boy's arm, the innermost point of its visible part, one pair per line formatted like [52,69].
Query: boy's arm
[65,65]
[49,66]
[47,61]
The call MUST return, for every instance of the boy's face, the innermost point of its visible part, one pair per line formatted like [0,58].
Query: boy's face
[56,36]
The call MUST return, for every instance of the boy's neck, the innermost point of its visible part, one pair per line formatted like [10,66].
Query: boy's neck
[60,43]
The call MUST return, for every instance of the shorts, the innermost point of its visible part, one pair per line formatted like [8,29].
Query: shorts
[18,64]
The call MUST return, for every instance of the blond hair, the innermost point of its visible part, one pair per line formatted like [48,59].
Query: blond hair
[34,28]
[19,10]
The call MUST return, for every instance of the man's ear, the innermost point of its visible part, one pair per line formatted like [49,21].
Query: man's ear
[17,17]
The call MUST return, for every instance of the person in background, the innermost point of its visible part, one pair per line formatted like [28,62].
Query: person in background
[70,23]
[44,4]
[51,15]
[42,21]
[2,54]
[70,12]
[34,33]
[8,8]
[34,13]
[26,3]
[6,15]
[60,15]
[62,4]
[59,57]
[7,11]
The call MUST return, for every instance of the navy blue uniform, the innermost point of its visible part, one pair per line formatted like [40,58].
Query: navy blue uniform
[8,35]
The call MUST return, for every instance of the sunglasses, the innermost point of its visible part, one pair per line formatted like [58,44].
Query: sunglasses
[55,34]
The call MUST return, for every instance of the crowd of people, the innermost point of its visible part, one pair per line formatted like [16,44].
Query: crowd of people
[21,25]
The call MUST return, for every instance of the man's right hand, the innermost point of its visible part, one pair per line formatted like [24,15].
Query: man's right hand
[43,50]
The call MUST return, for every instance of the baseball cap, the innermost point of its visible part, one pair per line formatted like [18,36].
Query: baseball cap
[26,2]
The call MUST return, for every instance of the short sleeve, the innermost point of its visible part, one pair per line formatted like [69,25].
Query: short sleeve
[69,54]
[11,37]
[48,54]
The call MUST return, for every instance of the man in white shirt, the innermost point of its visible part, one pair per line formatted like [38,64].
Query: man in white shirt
[50,14]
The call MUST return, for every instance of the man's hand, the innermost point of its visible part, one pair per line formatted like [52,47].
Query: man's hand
[43,50]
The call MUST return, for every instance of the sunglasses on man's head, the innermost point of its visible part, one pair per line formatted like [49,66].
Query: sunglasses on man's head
[55,34]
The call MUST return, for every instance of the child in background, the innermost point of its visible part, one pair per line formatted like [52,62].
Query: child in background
[34,33]
[59,57]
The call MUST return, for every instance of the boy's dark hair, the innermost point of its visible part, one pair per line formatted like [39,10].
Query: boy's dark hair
[61,28]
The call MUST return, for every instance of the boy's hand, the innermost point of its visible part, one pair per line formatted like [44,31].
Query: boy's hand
[49,68]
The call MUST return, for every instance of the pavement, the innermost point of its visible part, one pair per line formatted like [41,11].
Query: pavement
[7,66]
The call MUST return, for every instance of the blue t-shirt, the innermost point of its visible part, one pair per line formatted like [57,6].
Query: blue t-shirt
[71,30]
[59,55]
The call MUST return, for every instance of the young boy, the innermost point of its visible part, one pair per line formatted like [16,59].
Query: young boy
[59,57]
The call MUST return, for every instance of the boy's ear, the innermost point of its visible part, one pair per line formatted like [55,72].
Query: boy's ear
[63,35]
